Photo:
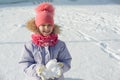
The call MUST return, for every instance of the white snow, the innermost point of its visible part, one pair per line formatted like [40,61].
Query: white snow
[91,31]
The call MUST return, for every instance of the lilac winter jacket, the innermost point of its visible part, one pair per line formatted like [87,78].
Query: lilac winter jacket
[33,56]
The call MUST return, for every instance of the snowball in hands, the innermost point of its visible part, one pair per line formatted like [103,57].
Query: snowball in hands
[44,73]
[54,67]
[52,70]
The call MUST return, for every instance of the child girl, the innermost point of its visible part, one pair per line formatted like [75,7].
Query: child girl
[45,47]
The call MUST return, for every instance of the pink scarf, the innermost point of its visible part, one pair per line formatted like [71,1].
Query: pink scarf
[41,40]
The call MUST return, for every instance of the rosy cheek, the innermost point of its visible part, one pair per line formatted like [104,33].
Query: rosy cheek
[52,28]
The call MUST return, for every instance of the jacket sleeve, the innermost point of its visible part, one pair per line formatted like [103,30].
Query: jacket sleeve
[27,61]
[65,57]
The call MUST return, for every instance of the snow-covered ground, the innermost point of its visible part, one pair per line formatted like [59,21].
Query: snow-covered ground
[91,32]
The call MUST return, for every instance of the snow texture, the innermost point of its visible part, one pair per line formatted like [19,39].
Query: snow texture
[91,31]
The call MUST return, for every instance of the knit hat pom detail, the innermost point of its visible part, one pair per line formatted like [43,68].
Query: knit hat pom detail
[45,7]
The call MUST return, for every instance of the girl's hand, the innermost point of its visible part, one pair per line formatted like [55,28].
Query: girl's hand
[60,64]
[44,73]
[40,69]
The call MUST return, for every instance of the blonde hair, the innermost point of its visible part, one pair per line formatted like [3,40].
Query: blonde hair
[30,25]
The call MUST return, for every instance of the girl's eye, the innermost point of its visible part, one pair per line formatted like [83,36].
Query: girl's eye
[48,25]
[43,25]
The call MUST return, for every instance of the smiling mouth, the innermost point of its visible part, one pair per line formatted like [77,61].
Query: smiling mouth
[46,31]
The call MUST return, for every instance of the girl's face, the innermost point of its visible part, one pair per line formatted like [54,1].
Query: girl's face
[46,29]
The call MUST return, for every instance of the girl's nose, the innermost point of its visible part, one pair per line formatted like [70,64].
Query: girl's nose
[46,27]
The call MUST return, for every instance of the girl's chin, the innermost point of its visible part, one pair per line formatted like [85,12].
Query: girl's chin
[46,34]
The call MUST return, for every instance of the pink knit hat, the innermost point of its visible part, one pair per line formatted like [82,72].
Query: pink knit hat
[44,14]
